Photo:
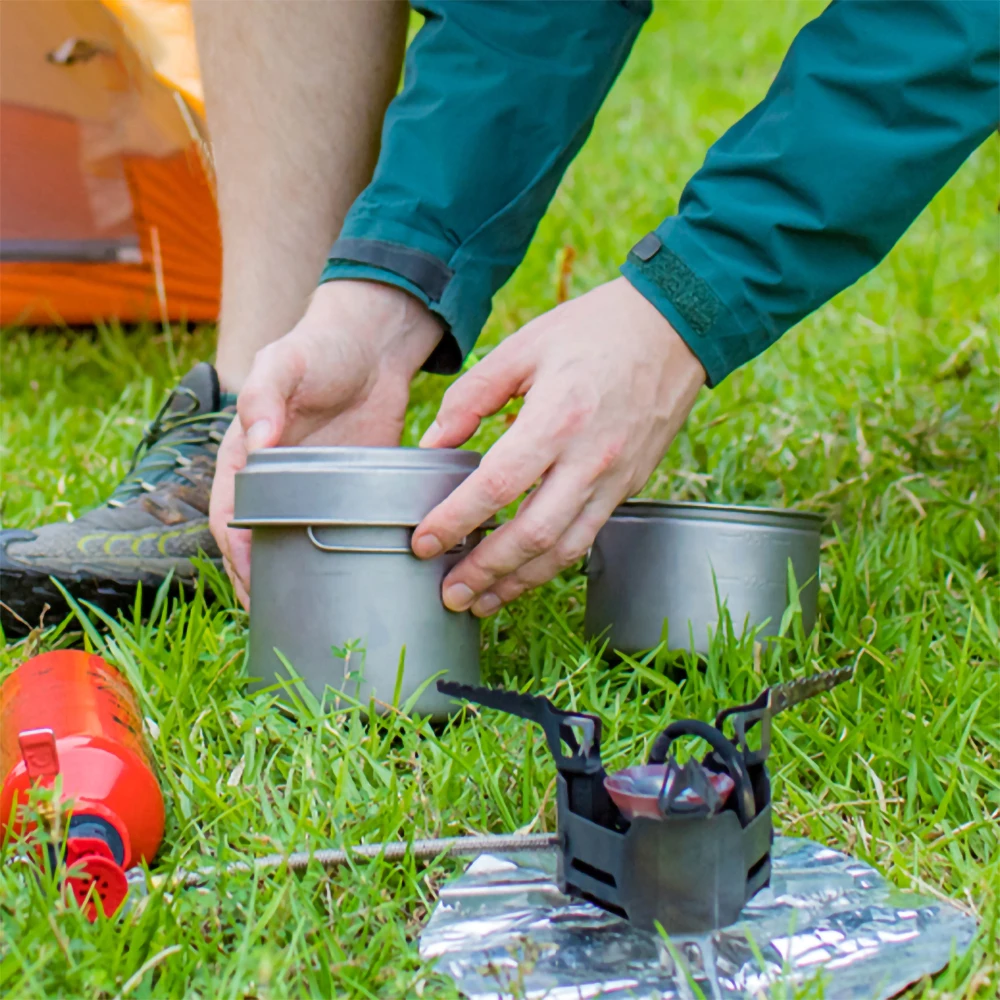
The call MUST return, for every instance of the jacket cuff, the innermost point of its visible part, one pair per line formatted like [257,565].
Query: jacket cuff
[670,269]
[447,357]
[456,288]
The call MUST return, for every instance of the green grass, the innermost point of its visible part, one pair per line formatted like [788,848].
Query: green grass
[880,412]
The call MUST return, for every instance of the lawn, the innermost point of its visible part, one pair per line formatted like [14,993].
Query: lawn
[880,412]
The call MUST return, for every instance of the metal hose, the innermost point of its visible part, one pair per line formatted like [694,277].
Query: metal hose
[391,851]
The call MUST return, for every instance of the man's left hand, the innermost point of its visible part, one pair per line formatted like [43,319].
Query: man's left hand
[607,383]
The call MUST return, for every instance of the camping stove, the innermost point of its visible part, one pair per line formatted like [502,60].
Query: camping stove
[683,846]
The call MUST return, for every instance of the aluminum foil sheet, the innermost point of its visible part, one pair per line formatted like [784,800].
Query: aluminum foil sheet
[503,930]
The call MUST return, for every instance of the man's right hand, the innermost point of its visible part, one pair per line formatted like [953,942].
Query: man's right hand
[340,377]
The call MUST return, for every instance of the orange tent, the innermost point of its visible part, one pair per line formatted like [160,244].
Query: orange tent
[106,199]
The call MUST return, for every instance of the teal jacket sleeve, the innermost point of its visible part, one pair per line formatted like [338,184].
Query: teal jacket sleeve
[876,105]
[497,99]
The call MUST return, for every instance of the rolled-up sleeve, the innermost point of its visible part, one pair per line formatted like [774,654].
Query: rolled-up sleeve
[497,99]
[876,105]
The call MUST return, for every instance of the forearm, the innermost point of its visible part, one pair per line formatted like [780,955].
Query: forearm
[497,100]
[876,105]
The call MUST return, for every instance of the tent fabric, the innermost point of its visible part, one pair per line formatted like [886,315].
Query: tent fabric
[163,32]
[107,205]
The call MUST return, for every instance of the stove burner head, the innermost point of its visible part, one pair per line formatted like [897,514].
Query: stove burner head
[658,791]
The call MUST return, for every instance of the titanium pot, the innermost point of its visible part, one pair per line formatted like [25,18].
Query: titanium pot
[332,569]
[656,566]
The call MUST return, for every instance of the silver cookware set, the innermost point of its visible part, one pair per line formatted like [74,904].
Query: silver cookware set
[339,601]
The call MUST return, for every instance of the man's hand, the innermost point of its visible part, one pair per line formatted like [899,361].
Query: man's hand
[607,383]
[341,376]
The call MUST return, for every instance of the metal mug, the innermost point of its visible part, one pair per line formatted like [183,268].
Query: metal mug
[333,573]
[660,567]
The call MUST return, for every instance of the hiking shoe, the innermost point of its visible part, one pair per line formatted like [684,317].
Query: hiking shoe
[152,524]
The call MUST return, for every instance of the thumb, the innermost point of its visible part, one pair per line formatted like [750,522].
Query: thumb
[504,374]
[263,401]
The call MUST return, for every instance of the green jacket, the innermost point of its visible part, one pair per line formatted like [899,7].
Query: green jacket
[876,105]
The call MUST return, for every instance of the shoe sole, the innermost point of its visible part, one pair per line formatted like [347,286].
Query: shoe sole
[24,597]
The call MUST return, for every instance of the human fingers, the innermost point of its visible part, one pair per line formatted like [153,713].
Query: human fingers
[518,460]
[230,458]
[242,595]
[277,372]
[572,546]
[501,376]
[534,531]
[234,543]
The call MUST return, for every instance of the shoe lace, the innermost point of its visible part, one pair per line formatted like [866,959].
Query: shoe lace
[159,450]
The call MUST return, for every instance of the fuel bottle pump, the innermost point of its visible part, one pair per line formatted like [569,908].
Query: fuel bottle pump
[69,713]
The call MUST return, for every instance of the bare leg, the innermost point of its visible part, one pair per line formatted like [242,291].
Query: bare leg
[295,94]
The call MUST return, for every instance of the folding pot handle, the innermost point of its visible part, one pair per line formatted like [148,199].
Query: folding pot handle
[377,549]
[396,550]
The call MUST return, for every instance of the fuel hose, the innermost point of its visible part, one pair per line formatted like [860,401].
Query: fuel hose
[394,850]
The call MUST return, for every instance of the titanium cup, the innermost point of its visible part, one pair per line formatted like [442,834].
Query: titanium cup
[655,567]
[333,573]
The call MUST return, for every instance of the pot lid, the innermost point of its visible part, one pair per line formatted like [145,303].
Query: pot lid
[732,513]
[359,486]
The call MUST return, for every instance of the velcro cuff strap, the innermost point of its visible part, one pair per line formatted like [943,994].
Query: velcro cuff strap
[427,272]
[692,297]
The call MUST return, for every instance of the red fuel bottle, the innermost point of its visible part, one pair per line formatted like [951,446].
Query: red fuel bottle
[72,714]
